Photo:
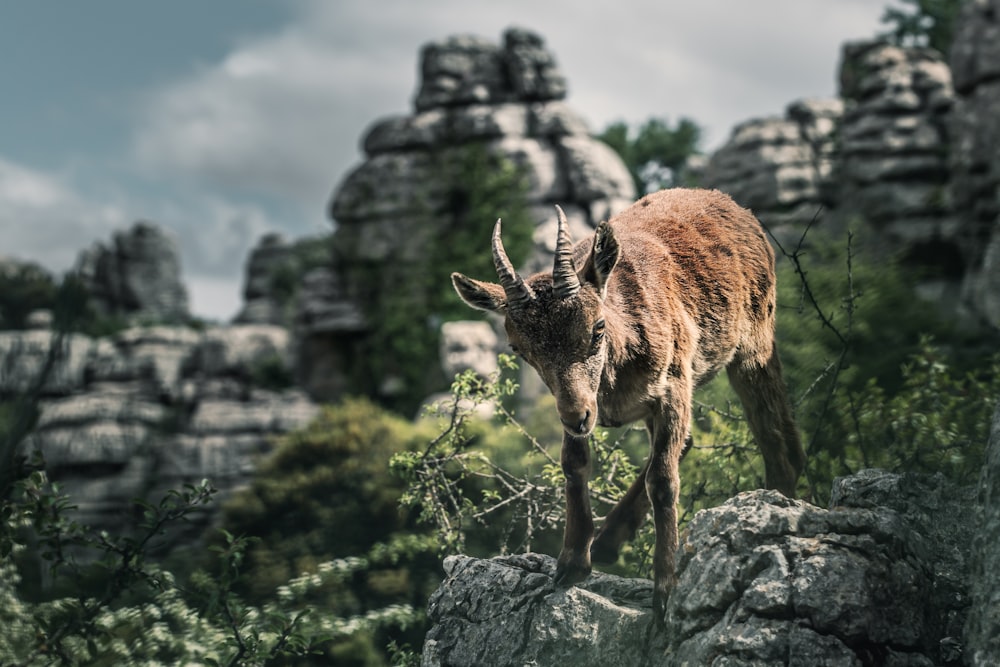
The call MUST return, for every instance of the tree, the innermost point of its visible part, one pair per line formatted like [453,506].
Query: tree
[656,154]
[925,23]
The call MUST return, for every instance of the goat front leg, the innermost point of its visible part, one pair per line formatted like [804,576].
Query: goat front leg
[574,559]
[663,486]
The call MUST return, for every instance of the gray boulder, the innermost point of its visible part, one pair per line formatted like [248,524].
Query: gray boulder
[137,275]
[465,345]
[761,580]
[506,611]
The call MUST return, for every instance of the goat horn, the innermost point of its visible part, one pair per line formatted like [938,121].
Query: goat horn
[565,282]
[518,293]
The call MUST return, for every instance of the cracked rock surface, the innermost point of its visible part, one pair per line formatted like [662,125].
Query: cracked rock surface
[878,579]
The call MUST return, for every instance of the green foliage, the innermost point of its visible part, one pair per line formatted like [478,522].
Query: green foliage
[656,153]
[923,23]
[323,503]
[497,486]
[122,608]
[407,300]
[271,372]
[24,288]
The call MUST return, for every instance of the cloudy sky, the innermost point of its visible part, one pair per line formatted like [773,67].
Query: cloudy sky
[228,119]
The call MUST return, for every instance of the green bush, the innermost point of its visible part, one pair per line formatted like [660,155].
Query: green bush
[24,288]
[325,495]
[655,153]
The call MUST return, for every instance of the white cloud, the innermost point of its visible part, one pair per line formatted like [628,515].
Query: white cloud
[282,114]
[257,140]
[275,118]
[47,220]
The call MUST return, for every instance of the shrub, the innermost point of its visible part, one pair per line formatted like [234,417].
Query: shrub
[325,495]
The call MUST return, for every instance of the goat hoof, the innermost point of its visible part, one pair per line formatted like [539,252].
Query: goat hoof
[570,573]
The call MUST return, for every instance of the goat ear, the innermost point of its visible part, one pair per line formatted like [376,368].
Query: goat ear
[480,295]
[604,256]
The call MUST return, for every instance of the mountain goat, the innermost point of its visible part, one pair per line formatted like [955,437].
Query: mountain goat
[624,328]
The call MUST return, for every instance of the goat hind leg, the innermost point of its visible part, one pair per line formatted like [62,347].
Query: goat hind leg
[761,388]
[622,521]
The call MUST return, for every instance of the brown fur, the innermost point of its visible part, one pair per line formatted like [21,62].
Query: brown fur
[684,283]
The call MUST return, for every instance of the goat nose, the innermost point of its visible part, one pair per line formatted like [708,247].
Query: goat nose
[577,423]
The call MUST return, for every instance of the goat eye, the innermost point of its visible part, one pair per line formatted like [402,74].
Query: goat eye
[598,332]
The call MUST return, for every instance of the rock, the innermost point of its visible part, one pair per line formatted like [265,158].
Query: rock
[761,580]
[465,345]
[506,100]
[468,345]
[261,304]
[781,168]
[469,70]
[151,409]
[893,165]
[323,306]
[137,275]
[506,611]
[260,413]
[982,632]
[163,350]
[25,356]
[974,160]
[878,157]
[762,576]
[240,350]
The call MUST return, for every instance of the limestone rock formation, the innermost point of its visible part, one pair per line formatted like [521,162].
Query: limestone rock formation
[465,345]
[781,168]
[975,160]
[261,304]
[893,164]
[469,70]
[762,580]
[137,275]
[150,409]
[909,151]
[506,611]
[28,358]
[506,99]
